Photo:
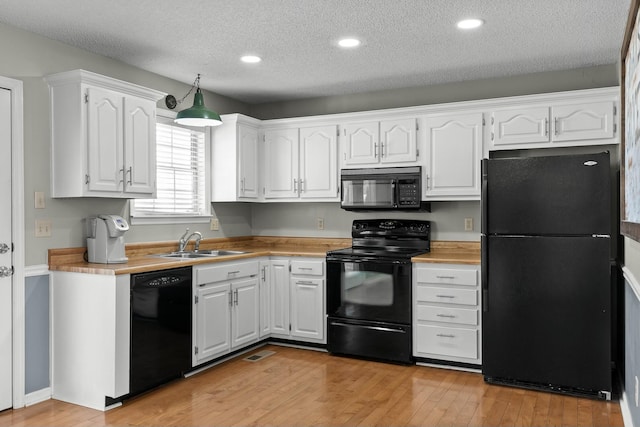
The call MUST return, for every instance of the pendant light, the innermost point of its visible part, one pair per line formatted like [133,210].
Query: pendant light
[198,115]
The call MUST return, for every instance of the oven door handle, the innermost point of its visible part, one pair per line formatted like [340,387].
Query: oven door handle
[361,259]
[376,328]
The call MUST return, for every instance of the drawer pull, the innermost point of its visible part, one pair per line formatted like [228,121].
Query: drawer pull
[233,272]
[305,268]
[446,277]
[304,282]
[445,296]
[450,316]
[446,336]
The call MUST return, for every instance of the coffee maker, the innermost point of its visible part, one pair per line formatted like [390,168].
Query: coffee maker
[105,239]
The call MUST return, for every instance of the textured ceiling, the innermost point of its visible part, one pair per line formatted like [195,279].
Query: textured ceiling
[406,43]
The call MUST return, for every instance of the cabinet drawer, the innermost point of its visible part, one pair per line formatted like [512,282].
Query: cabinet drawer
[454,342]
[463,316]
[221,272]
[309,268]
[449,276]
[446,295]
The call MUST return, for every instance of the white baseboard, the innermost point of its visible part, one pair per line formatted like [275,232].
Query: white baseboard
[37,396]
[626,411]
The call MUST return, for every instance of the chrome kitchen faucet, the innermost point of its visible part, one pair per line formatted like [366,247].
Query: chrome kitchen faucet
[182,243]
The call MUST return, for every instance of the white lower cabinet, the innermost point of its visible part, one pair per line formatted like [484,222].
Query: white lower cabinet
[298,299]
[227,308]
[446,313]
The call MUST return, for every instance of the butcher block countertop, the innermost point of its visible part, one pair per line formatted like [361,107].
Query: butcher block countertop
[142,256]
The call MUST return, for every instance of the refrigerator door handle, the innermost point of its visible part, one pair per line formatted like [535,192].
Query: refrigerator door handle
[485,206]
[484,272]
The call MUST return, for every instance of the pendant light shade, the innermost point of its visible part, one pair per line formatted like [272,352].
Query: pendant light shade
[198,115]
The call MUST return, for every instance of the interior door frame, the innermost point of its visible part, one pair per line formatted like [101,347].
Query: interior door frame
[17,231]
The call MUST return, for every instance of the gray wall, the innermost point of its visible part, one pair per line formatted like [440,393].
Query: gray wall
[555,81]
[632,329]
[36,351]
[299,219]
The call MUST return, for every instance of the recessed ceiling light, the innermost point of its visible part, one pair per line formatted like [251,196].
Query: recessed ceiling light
[349,42]
[467,24]
[251,59]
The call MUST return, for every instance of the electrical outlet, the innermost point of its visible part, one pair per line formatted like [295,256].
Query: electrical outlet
[215,224]
[636,394]
[43,228]
[38,200]
[320,223]
[468,224]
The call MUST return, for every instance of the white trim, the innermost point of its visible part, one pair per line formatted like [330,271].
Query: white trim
[625,408]
[631,280]
[17,225]
[142,220]
[36,270]
[37,396]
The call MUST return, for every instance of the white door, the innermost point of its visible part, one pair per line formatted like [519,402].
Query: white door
[139,146]
[6,367]
[281,174]
[245,322]
[248,161]
[361,144]
[398,143]
[319,162]
[307,309]
[213,314]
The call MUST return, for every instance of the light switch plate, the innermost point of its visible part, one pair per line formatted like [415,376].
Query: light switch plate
[43,228]
[38,200]
[468,224]
[215,224]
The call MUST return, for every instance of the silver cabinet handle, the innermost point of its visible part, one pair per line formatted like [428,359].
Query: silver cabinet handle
[302,186]
[235,297]
[304,282]
[6,271]
[445,296]
[445,336]
[546,126]
[264,274]
[123,175]
[555,121]
[295,185]
[130,172]
[230,299]
[230,273]
[4,248]
[381,149]
[446,277]
[449,316]
[375,149]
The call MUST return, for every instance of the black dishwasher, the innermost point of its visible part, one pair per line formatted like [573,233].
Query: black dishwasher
[161,305]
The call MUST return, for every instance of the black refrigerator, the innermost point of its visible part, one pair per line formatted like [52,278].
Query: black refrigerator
[546,273]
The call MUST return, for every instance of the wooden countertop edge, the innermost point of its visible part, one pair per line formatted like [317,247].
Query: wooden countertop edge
[141,258]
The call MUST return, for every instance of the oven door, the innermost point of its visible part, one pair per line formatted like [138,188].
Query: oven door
[372,289]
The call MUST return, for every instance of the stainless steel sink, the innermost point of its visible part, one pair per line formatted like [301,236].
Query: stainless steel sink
[200,254]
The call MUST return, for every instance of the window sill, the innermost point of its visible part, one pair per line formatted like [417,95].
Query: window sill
[147,220]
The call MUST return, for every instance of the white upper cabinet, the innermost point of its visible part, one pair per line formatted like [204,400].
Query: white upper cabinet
[301,163]
[385,142]
[234,155]
[583,121]
[318,162]
[103,136]
[281,164]
[454,146]
[590,120]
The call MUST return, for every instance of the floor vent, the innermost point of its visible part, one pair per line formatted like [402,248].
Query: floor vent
[259,355]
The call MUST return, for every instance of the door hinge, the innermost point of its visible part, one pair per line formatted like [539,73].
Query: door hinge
[615,110]
[337,132]
[87,179]
[289,327]
[289,268]
[615,128]
[196,350]
[196,298]
[417,126]
[417,152]
[492,136]
[483,122]
[86,98]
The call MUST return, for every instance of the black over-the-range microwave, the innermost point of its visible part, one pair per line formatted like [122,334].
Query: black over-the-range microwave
[383,189]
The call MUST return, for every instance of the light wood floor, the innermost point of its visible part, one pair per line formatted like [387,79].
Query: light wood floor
[304,388]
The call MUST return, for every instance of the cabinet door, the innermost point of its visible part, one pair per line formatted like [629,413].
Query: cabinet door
[521,126]
[212,321]
[583,121]
[105,141]
[318,162]
[454,143]
[307,308]
[281,163]
[139,146]
[265,298]
[245,312]
[247,162]
[360,145]
[398,141]
[280,297]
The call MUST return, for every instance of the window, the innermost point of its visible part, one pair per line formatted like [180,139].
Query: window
[180,175]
